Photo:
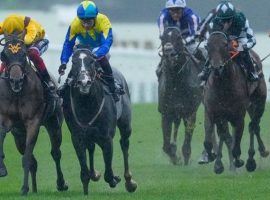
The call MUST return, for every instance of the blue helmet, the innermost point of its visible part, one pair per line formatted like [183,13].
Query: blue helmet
[87,9]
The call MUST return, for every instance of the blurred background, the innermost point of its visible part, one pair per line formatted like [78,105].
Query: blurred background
[136,37]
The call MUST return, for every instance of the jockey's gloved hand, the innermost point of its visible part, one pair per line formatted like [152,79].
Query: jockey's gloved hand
[61,69]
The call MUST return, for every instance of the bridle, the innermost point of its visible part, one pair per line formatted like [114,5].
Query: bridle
[235,54]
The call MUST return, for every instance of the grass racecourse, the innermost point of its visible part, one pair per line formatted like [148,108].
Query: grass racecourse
[157,178]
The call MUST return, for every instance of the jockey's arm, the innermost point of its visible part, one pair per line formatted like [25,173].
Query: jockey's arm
[31,33]
[68,47]
[205,22]
[106,37]
[161,24]
[193,21]
[251,40]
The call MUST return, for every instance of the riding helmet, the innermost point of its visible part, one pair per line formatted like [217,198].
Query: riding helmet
[225,10]
[176,4]
[87,9]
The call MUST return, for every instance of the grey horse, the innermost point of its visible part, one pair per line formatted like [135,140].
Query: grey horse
[92,116]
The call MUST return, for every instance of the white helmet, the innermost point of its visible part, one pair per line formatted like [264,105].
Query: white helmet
[176,4]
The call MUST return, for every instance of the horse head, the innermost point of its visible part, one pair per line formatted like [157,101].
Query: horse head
[172,44]
[14,56]
[218,47]
[84,69]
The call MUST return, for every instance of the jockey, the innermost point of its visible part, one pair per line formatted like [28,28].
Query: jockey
[34,39]
[93,29]
[177,14]
[235,24]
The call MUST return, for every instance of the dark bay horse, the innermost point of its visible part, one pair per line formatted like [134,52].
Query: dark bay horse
[227,97]
[21,112]
[179,94]
[92,116]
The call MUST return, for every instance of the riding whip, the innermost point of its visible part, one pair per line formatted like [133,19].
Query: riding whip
[265,57]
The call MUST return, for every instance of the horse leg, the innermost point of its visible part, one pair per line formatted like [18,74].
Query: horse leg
[20,139]
[33,171]
[229,142]
[173,146]
[53,126]
[3,169]
[80,149]
[94,175]
[125,132]
[167,121]
[208,140]
[238,128]
[107,150]
[32,129]
[189,123]
[256,111]
[221,131]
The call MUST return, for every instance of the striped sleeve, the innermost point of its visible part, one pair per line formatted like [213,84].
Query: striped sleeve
[250,36]
[161,24]
[193,22]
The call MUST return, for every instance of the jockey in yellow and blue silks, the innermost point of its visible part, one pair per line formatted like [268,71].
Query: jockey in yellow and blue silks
[93,29]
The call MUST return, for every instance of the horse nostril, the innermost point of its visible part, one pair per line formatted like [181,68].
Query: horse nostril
[88,82]
[79,82]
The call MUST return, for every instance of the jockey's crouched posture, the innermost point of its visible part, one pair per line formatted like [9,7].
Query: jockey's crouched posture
[34,39]
[176,14]
[234,23]
[93,29]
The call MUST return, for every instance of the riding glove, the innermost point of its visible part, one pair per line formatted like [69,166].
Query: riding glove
[61,69]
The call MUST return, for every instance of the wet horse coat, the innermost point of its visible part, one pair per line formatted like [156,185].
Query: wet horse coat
[92,117]
[179,94]
[227,97]
[21,112]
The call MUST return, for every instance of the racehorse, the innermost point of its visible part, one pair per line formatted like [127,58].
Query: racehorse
[22,109]
[179,94]
[92,116]
[227,97]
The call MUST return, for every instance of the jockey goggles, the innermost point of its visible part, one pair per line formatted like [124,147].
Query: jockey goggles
[88,22]
[175,10]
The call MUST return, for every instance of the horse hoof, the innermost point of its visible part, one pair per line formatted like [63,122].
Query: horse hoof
[175,160]
[204,159]
[115,181]
[264,154]
[95,176]
[3,172]
[131,186]
[251,165]
[24,191]
[219,169]
[238,163]
[63,187]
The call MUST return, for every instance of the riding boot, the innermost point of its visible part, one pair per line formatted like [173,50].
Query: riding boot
[47,80]
[203,76]
[252,74]
[108,76]
[110,80]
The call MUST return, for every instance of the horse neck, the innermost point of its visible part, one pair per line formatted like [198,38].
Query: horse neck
[86,106]
[176,76]
[231,79]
